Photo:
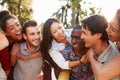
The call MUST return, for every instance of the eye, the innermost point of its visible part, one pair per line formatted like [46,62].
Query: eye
[38,33]
[77,37]
[112,28]
[54,31]
[18,25]
[60,27]
[32,34]
[11,28]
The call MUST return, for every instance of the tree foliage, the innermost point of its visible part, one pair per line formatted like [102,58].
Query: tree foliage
[78,12]
[21,8]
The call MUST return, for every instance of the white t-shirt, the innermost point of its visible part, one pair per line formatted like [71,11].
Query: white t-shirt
[57,56]
[2,74]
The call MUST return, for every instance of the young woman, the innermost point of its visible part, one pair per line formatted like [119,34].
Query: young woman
[54,40]
[112,68]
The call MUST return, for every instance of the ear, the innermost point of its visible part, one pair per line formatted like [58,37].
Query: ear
[25,36]
[99,35]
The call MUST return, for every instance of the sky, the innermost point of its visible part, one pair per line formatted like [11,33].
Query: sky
[43,9]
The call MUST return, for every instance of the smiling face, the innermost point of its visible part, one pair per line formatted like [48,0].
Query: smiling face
[57,31]
[78,43]
[113,30]
[90,40]
[32,36]
[13,30]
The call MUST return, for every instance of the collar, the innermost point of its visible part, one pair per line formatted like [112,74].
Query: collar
[103,57]
[60,46]
[23,47]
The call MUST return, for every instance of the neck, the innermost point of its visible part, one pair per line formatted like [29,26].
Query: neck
[63,41]
[100,47]
[79,52]
[30,47]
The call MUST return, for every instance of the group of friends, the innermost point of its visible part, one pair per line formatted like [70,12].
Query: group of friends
[90,51]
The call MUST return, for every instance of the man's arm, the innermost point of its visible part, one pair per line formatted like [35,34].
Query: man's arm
[105,71]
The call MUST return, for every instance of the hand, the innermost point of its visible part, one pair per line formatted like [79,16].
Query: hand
[22,57]
[40,76]
[84,58]
[90,53]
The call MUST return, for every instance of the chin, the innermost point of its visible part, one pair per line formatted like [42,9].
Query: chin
[87,46]
[36,45]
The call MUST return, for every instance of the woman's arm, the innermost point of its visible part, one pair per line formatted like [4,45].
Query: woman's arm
[3,41]
[27,58]
[61,62]
[105,71]
[14,51]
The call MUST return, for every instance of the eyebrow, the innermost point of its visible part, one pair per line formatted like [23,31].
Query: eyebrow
[113,27]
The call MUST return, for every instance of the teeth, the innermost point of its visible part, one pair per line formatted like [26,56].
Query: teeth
[18,33]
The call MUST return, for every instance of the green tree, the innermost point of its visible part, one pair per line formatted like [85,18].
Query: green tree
[21,8]
[78,12]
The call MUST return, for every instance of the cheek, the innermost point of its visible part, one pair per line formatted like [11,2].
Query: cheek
[11,33]
[54,36]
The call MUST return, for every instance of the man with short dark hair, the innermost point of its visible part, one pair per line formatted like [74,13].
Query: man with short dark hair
[95,37]
[75,52]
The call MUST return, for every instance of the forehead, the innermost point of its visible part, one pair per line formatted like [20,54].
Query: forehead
[77,31]
[11,21]
[55,25]
[32,29]
[86,30]
[115,24]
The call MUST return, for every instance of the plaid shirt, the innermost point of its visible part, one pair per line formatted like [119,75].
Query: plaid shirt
[81,72]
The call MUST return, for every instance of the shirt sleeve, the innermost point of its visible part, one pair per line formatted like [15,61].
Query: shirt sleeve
[59,59]
[5,59]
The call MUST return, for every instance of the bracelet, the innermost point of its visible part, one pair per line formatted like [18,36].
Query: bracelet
[80,61]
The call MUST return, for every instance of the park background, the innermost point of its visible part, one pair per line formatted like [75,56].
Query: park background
[70,12]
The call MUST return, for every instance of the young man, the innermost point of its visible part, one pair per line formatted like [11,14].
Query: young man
[83,71]
[28,70]
[96,38]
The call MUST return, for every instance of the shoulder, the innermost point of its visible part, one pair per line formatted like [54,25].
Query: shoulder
[4,51]
[113,45]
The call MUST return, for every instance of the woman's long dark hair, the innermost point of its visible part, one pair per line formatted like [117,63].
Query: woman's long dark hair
[47,37]
[47,42]
[4,16]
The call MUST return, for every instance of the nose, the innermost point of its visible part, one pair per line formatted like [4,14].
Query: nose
[108,29]
[60,32]
[82,36]
[37,36]
[73,40]
[18,28]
